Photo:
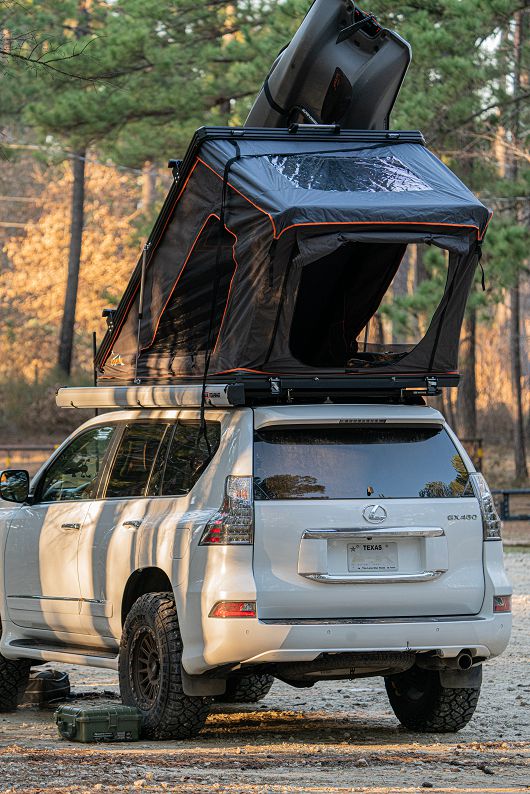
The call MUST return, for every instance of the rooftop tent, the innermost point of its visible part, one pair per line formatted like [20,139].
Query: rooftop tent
[275,252]
[340,67]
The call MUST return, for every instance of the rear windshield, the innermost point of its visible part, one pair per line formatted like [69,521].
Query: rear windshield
[357,462]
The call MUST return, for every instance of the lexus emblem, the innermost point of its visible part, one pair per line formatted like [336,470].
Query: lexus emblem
[375,514]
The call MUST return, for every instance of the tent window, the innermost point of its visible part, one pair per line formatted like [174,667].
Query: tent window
[386,174]
[356,308]
[183,327]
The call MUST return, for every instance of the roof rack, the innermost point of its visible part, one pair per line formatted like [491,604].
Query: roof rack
[258,390]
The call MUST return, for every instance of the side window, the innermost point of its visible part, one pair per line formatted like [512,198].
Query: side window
[135,458]
[73,475]
[187,457]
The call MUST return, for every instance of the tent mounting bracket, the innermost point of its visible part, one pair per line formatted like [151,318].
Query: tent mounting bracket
[432,386]
[276,386]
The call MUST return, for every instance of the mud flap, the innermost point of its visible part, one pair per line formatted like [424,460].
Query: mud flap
[462,679]
[198,685]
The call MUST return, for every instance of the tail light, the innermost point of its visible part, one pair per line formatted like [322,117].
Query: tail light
[234,609]
[234,522]
[502,603]
[490,518]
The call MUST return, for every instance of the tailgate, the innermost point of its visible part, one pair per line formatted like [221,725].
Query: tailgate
[363,520]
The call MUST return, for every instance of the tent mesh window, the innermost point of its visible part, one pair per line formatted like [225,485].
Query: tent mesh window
[361,174]
[183,327]
[362,314]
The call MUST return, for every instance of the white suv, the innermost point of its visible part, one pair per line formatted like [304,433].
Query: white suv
[298,542]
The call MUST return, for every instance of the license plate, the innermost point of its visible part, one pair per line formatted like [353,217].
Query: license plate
[370,557]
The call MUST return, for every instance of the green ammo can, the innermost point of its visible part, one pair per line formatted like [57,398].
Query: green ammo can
[99,723]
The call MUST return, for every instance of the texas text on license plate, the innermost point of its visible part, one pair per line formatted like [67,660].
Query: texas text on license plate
[371,556]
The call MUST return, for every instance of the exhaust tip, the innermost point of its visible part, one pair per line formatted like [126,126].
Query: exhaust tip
[464,661]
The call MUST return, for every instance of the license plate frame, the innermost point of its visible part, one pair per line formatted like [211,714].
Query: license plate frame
[372,557]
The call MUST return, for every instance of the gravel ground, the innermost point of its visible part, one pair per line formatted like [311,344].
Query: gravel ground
[336,737]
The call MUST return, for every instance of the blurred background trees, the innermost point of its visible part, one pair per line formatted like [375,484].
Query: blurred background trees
[98,95]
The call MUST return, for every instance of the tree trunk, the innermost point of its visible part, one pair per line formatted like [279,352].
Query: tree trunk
[149,174]
[467,390]
[66,341]
[447,408]
[521,469]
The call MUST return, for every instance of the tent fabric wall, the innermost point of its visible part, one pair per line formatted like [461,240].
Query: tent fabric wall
[276,224]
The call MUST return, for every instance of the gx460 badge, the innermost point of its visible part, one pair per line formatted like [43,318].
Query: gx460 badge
[469,517]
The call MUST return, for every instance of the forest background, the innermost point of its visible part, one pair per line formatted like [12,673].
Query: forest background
[97,95]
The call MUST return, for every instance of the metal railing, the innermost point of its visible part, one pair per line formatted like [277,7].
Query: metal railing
[502,499]
[25,456]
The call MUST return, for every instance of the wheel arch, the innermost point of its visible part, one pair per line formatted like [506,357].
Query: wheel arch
[140,582]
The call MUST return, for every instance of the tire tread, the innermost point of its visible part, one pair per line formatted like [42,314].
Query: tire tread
[247,689]
[439,710]
[176,715]
[14,676]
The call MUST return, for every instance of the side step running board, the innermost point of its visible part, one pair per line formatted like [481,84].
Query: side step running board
[23,649]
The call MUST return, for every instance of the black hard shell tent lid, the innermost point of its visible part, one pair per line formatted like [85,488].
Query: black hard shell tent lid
[273,251]
[341,67]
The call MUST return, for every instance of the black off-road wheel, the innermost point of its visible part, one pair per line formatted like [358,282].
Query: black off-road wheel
[150,671]
[247,689]
[422,704]
[14,676]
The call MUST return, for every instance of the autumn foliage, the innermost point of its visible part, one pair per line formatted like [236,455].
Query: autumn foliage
[32,283]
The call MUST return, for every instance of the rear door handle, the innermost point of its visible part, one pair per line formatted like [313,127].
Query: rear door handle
[70,526]
[134,524]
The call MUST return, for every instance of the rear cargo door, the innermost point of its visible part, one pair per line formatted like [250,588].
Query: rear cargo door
[358,516]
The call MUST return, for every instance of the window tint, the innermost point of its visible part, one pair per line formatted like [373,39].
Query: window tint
[73,475]
[134,460]
[187,457]
[356,463]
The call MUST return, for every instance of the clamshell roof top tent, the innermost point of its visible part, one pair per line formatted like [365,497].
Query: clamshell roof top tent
[341,67]
[273,253]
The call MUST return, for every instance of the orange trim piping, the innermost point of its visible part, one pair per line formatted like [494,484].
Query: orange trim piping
[379,223]
[334,375]
[242,195]
[133,296]
[486,226]
[190,252]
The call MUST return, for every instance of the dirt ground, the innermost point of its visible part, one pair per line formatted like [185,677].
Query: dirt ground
[336,737]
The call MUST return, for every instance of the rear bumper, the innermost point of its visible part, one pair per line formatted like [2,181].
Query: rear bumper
[252,641]
[214,642]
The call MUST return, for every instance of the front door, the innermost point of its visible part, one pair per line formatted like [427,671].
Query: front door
[41,571]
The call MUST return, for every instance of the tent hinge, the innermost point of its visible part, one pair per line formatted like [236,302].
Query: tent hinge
[175,166]
[432,386]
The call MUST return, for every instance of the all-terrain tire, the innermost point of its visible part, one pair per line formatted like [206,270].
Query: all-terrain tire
[150,671]
[422,704]
[247,689]
[14,675]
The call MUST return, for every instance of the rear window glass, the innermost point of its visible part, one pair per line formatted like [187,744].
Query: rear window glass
[356,463]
